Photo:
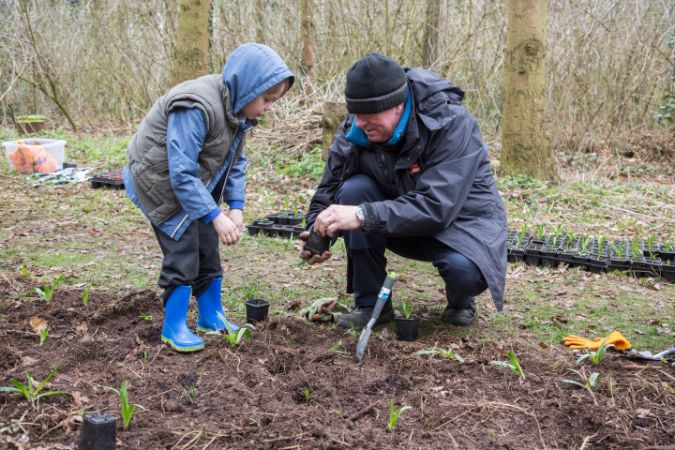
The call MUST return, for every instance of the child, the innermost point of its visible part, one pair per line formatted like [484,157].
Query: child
[187,157]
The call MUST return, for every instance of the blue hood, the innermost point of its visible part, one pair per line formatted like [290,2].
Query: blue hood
[252,69]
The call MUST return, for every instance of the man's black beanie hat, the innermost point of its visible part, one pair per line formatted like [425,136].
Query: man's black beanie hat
[375,83]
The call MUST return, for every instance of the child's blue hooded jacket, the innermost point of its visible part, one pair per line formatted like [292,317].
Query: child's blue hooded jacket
[250,70]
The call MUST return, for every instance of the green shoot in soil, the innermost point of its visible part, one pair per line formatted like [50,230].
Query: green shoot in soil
[395,414]
[441,353]
[588,382]
[513,364]
[305,394]
[43,335]
[235,337]
[47,293]
[30,391]
[85,296]
[596,356]
[146,317]
[126,408]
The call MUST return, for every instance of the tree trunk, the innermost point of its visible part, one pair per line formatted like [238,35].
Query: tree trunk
[307,39]
[260,21]
[431,32]
[191,54]
[525,146]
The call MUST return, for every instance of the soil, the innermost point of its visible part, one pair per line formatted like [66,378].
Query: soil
[291,386]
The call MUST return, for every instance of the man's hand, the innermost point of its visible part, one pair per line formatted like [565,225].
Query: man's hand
[336,218]
[308,256]
[226,229]
[237,217]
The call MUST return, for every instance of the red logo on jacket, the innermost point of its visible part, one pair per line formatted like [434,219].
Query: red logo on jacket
[412,170]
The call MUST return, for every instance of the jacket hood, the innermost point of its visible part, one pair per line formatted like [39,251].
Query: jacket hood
[426,83]
[252,69]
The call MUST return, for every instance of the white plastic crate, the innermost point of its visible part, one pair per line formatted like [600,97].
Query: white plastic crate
[35,154]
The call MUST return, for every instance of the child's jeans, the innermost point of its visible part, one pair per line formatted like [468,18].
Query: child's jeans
[193,260]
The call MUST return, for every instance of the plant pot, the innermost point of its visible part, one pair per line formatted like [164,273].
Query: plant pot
[30,124]
[256,310]
[97,432]
[316,244]
[406,329]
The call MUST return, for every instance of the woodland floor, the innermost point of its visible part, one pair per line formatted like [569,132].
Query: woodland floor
[295,384]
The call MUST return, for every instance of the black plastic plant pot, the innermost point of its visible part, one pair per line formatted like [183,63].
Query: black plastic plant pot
[253,230]
[98,432]
[316,244]
[256,310]
[406,329]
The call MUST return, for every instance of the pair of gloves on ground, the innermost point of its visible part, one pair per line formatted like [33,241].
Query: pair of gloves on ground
[616,338]
[323,310]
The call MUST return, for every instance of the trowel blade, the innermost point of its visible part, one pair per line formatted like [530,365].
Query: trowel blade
[363,342]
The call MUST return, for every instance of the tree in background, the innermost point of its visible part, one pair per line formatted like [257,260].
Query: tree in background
[191,54]
[431,32]
[307,39]
[525,145]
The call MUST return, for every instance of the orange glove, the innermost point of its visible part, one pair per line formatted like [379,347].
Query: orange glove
[620,342]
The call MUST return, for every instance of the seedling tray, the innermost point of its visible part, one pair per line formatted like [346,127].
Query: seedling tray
[112,180]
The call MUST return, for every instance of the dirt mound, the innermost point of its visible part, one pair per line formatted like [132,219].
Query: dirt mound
[296,385]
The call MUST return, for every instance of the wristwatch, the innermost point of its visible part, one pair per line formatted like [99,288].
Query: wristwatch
[359,215]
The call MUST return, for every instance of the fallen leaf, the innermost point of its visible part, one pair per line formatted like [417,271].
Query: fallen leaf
[38,324]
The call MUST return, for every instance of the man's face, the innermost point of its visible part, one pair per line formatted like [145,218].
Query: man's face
[380,126]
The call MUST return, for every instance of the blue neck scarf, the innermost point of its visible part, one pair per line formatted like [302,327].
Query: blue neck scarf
[357,136]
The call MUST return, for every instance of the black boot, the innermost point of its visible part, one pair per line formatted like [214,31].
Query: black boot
[462,316]
[360,316]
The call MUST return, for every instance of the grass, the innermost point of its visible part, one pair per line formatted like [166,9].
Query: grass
[99,239]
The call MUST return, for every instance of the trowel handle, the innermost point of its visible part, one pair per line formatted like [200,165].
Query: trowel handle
[383,296]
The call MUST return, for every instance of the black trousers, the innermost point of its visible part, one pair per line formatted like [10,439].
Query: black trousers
[463,279]
[192,260]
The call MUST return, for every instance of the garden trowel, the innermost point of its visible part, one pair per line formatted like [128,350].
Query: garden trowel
[382,298]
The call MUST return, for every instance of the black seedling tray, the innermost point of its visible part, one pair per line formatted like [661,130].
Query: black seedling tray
[112,180]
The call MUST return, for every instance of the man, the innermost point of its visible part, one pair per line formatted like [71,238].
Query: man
[408,171]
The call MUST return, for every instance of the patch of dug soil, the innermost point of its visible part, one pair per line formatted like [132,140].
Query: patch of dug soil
[296,385]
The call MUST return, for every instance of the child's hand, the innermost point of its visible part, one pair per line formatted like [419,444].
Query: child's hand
[237,217]
[226,229]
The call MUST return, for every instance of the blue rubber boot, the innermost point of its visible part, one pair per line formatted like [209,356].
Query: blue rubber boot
[211,315]
[175,331]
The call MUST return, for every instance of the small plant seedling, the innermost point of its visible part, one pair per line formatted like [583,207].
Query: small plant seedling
[126,409]
[395,414]
[512,364]
[339,349]
[146,317]
[406,310]
[441,353]
[47,292]
[540,231]
[85,296]
[24,271]
[588,382]
[250,291]
[235,337]
[43,335]
[305,394]
[30,391]
[596,356]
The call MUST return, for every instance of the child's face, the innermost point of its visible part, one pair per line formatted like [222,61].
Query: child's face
[262,103]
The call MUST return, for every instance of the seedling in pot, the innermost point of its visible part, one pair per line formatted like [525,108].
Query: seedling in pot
[540,232]
[596,356]
[126,409]
[405,309]
[30,391]
[236,337]
[512,364]
[441,353]
[395,414]
[47,292]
